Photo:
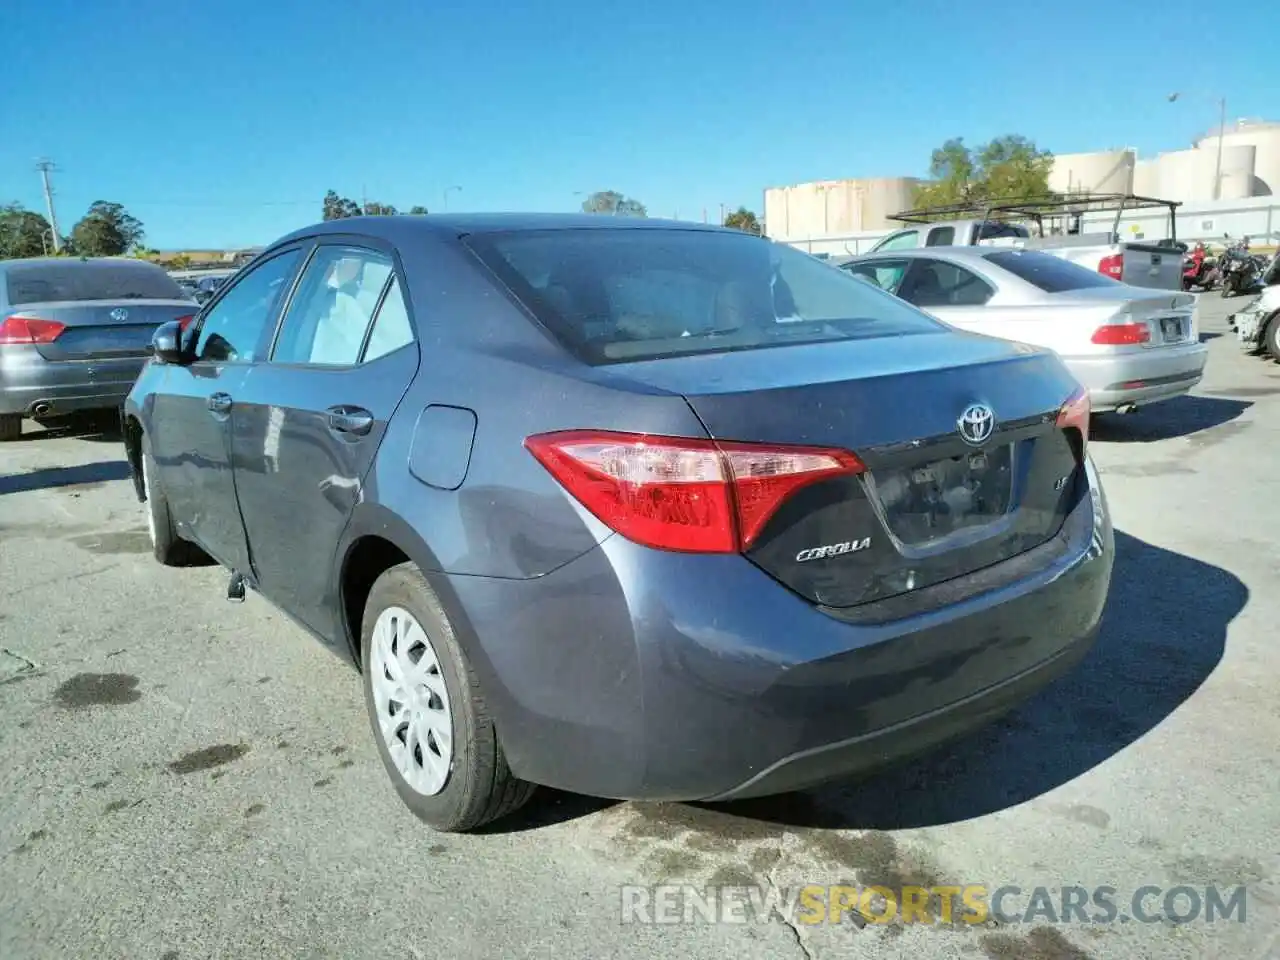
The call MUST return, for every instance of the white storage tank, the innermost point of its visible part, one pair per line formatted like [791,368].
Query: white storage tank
[1106,171]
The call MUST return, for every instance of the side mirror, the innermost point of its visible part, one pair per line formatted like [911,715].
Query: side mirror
[166,343]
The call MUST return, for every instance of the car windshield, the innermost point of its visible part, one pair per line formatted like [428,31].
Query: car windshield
[88,280]
[1047,272]
[616,295]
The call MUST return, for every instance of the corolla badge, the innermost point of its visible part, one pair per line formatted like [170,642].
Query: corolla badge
[119,314]
[976,424]
[833,550]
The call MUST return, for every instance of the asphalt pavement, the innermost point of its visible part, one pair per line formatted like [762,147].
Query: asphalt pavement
[182,777]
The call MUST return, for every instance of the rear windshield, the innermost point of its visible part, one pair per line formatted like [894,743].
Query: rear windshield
[995,229]
[617,295]
[1049,273]
[80,280]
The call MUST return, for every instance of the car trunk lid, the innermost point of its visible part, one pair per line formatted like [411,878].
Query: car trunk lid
[103,328]
[1169,318]
[932,504]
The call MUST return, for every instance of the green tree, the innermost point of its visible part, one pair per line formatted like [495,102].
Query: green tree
[375,209]
[744,220]
[336,207]
[613,203]
[417,211]
[107,230]
[1006,167]
[23,233]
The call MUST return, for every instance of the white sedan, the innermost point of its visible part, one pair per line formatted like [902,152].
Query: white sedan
[1129,346]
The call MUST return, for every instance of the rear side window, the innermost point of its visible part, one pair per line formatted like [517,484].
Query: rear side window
[391,329]
[615,295]
[1048,273]
[941,237]
[333,306]
[89,280]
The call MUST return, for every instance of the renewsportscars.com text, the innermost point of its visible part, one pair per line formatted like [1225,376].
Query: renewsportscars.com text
[958,904]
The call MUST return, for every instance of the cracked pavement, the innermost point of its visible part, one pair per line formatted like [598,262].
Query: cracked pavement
[187,778]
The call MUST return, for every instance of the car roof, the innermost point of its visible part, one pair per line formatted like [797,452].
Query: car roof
[453,225]
[976,256]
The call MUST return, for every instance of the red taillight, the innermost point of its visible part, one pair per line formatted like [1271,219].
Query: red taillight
[677,493]
[1122,334]
[1112,266]
[184,322]
[1074,415]
[29,330]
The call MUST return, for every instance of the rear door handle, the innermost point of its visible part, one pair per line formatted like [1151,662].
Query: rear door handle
[219,403]
[350,420]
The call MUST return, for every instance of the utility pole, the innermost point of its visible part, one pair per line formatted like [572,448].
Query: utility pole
[722,214]
[45,167]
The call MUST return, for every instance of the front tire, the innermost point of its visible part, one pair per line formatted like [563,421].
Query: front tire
[1272,337]
[431,723]
[168,548]
[10,426]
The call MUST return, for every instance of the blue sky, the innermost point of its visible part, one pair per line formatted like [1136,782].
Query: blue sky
[224,122]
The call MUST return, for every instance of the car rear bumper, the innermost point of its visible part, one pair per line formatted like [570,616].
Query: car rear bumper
[28,382]
[638,674]
[1139,377]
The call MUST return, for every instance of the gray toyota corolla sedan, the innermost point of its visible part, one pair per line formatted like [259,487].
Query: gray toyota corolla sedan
[632,508]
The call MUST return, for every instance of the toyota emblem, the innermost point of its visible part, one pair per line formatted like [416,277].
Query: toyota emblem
[976,424]
[119,314]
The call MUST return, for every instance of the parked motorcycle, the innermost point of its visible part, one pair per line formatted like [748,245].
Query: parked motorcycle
[1241,272]
[1199,269]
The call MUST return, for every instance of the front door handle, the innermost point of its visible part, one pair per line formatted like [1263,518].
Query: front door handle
[219,403]
[351,420]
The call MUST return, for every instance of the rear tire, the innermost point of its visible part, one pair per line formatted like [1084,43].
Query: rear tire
[410,650]
[169,549]
[10,426]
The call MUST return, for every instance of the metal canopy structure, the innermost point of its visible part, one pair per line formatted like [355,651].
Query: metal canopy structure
[1037,208]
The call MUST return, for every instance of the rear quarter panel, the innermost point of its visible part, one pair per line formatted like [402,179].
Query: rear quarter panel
[481,352]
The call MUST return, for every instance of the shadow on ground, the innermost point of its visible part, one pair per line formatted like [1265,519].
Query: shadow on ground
[64,476]
[1163,634]
[98,426]
[1179,417]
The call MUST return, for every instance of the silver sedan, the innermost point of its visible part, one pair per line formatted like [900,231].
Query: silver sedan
[1129,346]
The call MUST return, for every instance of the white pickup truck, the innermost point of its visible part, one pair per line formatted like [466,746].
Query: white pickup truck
[1010,222]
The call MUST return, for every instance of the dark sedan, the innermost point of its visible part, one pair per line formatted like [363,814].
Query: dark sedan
[630,508]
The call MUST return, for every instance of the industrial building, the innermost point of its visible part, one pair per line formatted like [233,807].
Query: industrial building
[854,210]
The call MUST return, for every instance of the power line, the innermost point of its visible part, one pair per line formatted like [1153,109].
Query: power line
[45,167]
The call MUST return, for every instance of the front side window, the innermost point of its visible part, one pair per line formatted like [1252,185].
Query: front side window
[233,328]
[937,283]
[885,274]
[613,295]
[336,299]
[907,240]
